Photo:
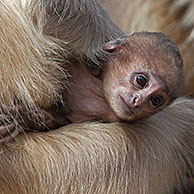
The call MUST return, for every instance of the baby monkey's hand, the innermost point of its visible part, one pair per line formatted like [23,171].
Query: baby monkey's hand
[9,123]
[17,119]
[9,129]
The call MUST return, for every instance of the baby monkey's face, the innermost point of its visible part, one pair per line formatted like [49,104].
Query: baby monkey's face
[135,94]
[138,95]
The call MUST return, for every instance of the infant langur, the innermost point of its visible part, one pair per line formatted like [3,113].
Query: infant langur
[143,74]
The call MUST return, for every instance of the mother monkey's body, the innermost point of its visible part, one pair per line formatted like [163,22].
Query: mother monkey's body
[151,157]
[144,157]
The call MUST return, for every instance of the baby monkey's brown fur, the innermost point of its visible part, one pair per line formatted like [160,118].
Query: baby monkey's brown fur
[143,74]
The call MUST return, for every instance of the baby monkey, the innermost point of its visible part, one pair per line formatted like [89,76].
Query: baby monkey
[142,75]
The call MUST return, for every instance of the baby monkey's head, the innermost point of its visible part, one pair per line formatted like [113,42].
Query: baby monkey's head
[143,75]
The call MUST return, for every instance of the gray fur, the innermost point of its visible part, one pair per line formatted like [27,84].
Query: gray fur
[83,25]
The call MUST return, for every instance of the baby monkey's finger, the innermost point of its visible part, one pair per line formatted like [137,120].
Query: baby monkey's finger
[6,129]
[8,133]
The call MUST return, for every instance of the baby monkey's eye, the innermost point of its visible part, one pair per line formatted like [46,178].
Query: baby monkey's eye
[95,70]
[156,100]
[141,80]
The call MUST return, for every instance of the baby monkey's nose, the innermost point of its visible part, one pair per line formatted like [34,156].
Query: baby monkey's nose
[136,101]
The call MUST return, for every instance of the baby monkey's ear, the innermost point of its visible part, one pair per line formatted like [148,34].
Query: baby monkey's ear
[116,45]
[112,48]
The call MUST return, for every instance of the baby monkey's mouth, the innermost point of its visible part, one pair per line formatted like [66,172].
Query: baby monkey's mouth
[126,106]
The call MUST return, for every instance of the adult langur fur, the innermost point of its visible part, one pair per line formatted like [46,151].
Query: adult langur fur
[38,28]
[153,156]
[26,62]
[135,158]
[174,17]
